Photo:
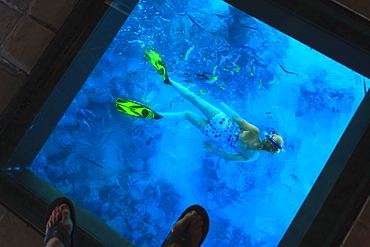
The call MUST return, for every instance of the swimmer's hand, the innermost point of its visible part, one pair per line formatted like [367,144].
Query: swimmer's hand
[208,146]
[230,112]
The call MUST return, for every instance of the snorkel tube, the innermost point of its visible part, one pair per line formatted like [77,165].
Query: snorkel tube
[269,136]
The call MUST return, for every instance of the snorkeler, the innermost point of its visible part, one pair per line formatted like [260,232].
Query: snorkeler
[233,133]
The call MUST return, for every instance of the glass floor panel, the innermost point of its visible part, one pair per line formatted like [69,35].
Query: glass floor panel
[138,174]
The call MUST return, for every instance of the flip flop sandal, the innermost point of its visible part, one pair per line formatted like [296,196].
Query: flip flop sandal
[58,230]
[182,236]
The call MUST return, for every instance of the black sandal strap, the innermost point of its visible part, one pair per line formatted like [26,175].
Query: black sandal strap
[60,232]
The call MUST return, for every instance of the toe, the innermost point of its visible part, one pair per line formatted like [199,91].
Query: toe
[195,222]
[66,218]
[184,221]
[64,207]
[60,213]
[54,217]
[195,229]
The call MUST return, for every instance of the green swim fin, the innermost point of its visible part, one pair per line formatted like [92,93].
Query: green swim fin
[156,60]
[135,109]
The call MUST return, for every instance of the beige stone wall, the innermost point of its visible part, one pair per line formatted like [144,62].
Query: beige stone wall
[26,29]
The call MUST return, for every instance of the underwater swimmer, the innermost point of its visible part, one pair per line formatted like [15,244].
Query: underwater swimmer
[235,134]
[230,130]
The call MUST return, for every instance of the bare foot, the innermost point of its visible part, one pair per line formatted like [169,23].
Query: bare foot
[195,227]
[60,213]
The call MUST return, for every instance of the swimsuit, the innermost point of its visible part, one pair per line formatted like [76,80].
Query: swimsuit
[223,130]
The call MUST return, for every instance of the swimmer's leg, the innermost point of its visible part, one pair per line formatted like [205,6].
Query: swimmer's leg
[192,117]
[206,108]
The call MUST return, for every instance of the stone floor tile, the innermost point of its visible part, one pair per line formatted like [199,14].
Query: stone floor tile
[22,5]
[11,81]
[52,12]
[2,212]
[14,232]
[365,215]
[8,19]
[359,236]
[27,44]
[361,7]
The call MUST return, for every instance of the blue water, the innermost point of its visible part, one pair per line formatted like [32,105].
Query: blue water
[138,175]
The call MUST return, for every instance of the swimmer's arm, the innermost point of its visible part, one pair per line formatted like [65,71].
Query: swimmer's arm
[230,112]
[246,126]
[227,156]
[238,119]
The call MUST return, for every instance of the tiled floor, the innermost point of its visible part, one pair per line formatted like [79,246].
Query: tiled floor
[14,232]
